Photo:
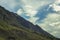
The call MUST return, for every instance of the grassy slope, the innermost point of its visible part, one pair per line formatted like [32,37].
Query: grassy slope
[7,31]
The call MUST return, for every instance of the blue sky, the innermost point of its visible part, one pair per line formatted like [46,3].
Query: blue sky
[44,13]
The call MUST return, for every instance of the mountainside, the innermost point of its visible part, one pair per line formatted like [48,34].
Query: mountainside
[14,27]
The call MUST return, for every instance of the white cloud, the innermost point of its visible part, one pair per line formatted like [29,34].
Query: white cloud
[20,11]
[51,24]
[54,32]
[33,20]
[11,4]
[37,3]
[56,8]
[56,5]
[55,24]
[29,10]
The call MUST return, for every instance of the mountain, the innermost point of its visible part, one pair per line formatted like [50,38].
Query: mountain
[14,27]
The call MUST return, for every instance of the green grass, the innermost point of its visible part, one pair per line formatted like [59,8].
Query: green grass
[19,33]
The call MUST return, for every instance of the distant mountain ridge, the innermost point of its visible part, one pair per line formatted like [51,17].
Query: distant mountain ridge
[14,20]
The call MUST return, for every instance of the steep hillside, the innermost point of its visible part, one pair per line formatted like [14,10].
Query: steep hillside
[14,27]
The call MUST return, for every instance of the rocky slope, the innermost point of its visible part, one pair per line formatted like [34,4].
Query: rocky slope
[14,27]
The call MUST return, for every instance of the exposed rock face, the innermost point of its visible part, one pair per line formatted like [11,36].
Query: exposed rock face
[12,19]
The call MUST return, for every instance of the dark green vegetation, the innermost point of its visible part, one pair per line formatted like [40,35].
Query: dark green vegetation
[11,28]
[7,31]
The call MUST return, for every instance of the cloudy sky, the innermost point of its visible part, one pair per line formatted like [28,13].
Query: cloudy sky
[45,13]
